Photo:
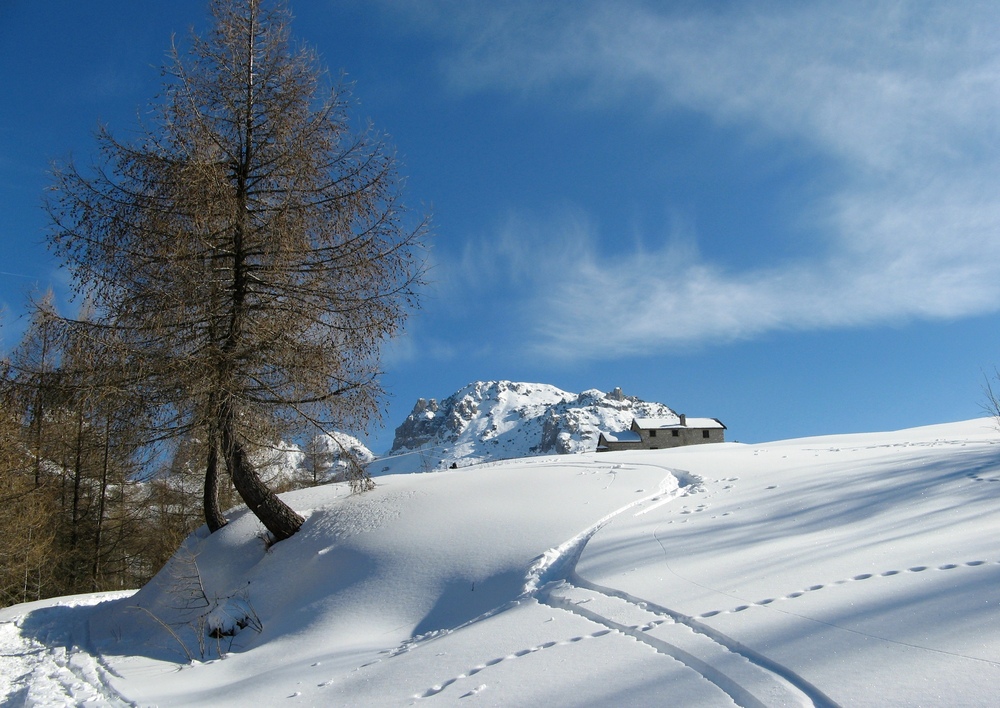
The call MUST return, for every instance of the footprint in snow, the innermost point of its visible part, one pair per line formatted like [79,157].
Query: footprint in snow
[473,692]
[855,578]
[438,688]
[980,478]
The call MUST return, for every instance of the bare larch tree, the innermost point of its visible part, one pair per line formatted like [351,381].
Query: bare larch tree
[250,249]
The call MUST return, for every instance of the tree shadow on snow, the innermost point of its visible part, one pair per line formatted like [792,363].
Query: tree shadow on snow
[462,600]
[58,626]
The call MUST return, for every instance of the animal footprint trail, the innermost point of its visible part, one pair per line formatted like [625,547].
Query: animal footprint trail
[438,688]
[747,683]
[839,583]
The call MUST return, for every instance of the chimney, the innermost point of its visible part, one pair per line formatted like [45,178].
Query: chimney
[684,420]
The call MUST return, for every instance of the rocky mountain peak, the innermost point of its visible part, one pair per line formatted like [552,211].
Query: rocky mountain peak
[488,420]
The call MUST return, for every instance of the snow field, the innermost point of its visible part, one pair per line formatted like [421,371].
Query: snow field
[848,570]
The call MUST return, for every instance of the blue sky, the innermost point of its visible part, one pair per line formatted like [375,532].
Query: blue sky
[786,217]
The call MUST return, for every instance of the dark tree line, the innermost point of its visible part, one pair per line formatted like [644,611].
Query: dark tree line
[240,265]
[81,512]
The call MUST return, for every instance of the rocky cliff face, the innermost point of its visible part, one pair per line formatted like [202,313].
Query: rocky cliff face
[489,420]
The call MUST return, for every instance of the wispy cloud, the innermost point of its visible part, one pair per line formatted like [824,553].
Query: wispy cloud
[903,97]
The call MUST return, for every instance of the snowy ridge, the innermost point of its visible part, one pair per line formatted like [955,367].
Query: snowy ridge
[491,420]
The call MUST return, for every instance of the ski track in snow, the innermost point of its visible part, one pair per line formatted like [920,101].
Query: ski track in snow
[748,678]
[52,669]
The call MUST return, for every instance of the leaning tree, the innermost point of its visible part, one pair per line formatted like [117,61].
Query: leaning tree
[249,251]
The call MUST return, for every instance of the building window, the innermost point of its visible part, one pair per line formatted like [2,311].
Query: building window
[704,433]
[652,433]
[677,433]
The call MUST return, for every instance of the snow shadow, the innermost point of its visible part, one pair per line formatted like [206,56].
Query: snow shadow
[931,628]
[61,625]
[462,600]
[934,485]
[279,591]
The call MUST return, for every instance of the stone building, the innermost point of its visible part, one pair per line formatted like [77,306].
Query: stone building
[659,433]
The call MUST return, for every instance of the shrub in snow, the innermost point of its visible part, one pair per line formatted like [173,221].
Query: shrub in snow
[230,616]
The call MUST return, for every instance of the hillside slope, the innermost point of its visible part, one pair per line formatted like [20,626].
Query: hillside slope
[850,570]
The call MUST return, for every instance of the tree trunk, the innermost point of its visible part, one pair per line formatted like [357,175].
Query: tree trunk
[280,519]
[95,572]
[213,514]
[76,517]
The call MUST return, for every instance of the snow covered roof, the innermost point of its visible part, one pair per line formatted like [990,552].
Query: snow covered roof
[660,423]
[622,436]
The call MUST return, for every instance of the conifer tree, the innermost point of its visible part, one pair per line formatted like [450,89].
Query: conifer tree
[26,523]
[249,252]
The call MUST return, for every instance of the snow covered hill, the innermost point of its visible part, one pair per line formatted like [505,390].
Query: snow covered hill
[855,570]
[493,420]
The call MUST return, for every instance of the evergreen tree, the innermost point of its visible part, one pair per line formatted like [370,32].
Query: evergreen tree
[249,252]
[26,524]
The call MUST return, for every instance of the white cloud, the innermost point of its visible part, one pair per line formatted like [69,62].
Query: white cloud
[862,79]
[903,97]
